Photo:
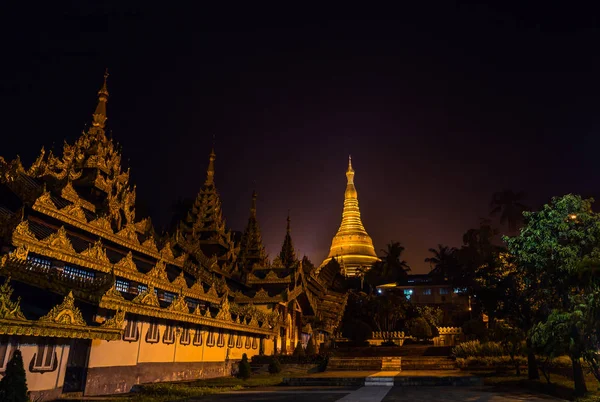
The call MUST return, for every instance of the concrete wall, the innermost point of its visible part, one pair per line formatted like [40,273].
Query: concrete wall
[116,366]
[47,384]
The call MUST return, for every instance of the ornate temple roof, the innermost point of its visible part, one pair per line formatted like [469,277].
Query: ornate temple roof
[351,246]
[252,251]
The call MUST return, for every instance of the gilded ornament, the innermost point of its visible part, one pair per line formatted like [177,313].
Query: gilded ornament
[207,313]
[44,200]
[21,253]
[113,293]
[179,304]
[261,293]
[74,210]
[180,281]
[126,263]
[147,297]
[212,291]
[197,310]
[102,223]
[65,313]
[96,252]
[115,322]
[150,244]
[128,232]
[23,230]
[253,322]
[159,271]
[60,241]
[166,252]
[197,288]
[9,310]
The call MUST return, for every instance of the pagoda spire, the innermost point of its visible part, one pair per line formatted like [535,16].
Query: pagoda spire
[252,250]
[210,171]
[99,116]
[287,254]
[352,243]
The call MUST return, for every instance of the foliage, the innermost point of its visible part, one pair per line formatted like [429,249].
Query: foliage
[444,262]
[389,311]
[475,329]
[490,361]
[311,350]
[509,206]
[419,328]
[13,386]
[478,349]
[274,366]
[433,316]
[391,269]
[323,364]
[244,370]
[554,251]
[288,359]
[299,351]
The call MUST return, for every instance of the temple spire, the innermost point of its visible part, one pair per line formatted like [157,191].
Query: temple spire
[352,243]
[288,254]
[253,205]
[210,172]
[99,116]
[252,250]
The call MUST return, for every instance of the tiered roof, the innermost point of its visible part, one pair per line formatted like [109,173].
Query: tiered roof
[252,251]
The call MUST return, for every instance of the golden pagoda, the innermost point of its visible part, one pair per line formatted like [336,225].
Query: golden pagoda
[352,246]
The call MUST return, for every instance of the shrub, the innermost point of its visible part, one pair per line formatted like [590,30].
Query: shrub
[323,364]
[13,386]
[420,328]
[358,331]
[490,361]
[274,366]
[299,351]
[475,329]
[244,370]
[477,349]
[310,348]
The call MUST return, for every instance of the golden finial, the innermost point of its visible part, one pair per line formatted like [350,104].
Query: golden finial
[350,163]
[253,206]
[288,222]
[99,116]
[210,172]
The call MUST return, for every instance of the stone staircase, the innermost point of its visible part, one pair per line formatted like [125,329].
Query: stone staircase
[354,363]
[428,363]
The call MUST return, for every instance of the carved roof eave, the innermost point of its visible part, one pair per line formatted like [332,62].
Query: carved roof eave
[258,300]
[35,328]
[163,313]
[41,248]
[61,216]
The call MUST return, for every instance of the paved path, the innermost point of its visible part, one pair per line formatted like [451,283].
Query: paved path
[376,394]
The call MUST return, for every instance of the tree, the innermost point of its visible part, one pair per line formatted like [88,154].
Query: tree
[299,351]
[311,350]
[420,328]
[13,386]
[552,251]
[508,205]
[393,264]
[274,366]
[443,263]
[388,311]
[244,370]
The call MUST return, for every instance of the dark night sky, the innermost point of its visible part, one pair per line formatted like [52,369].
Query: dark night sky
[439,106]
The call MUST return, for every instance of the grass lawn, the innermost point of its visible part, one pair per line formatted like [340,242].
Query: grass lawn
[181,391]
[560,387]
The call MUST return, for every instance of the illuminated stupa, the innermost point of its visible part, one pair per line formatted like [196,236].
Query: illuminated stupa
[352,246]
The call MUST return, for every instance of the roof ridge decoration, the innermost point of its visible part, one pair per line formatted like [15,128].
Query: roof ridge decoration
[128,232]
[197,310]
[74,210]
[207,313]
[147,297]
[102,223]
[126,263]
[180,281]
[69,193]
[113,293]
[261,293]
[271,275]
[45,200]
[179,304]
[212,291]
[60,241]
[65,313]
[20,253]
[9,309]
[23,230]
[96,252]
[197,287]
[115,322]
[150,244]
[166,252]
[224,313]
[159,271]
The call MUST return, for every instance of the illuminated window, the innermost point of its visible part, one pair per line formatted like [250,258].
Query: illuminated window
[153,334]
[444,291]
[221,339]
[210,339]
[168,296]
[198,337]
[4,352]
[239,343]
[78,273]
[255,343]
[142,288]
[45,358]
[169,336]
[426,291]
[248,344]
[184,339]
[131,331]
[39,262]
[191,303]
[231,341]
[408,293]
[122,285]
[460,290]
